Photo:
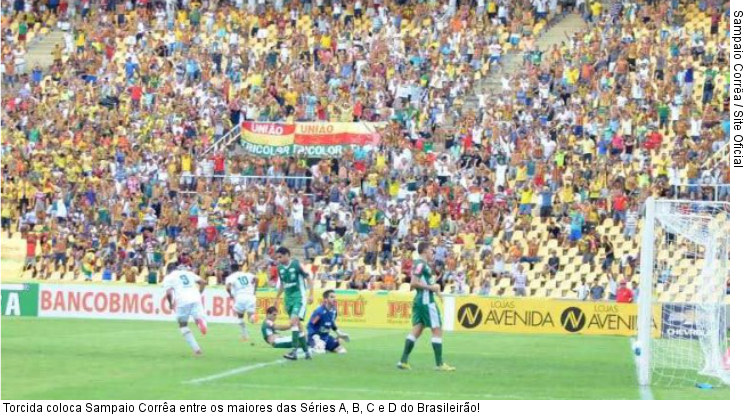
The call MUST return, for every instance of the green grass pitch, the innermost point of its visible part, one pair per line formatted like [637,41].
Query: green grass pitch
[101,359]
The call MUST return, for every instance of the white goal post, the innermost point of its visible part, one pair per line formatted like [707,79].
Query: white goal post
[684,276]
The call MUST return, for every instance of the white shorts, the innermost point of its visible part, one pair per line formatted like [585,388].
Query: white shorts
[194,309]
[243,305]
[283,339]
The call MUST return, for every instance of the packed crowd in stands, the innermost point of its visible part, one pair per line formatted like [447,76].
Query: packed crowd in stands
[105,173]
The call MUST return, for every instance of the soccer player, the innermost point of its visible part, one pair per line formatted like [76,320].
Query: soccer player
[425,310]
[269,330]
[322,321]
[294,283]
[241,287]
[183,291]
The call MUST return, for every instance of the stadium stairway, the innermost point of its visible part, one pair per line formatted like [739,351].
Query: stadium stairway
[12,254]
[40,50]
[562,27]
[720,156]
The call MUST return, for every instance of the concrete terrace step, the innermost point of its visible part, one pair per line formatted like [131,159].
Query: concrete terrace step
[511,62]
[40,51]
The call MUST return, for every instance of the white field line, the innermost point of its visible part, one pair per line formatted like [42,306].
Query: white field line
[245,369]
[392,393]
[233,372]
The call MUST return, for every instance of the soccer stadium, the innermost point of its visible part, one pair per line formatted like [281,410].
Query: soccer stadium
[365,199]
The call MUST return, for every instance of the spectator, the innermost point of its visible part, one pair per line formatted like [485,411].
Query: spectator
[597,291]
[314,242]
[611,287]
[554,263]
[636,291]
[160,88]
[582,290]
[520,281]
[485,289]
[624,295]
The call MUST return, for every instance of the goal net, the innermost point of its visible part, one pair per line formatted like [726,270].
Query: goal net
[685,275]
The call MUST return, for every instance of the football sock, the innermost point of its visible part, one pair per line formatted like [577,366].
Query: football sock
[189,337]
[295,337]
[436,344]
[410,342]
[285,344]
[243,329]
[303,343]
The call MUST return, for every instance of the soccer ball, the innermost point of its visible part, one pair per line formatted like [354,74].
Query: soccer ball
[636,348]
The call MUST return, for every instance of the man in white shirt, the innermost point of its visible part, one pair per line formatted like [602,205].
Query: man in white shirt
[612,286]
[298,218]
[582,290]
[183,291]
[542,8]
[241,288]
[508,226]
[696,125]
[520,281]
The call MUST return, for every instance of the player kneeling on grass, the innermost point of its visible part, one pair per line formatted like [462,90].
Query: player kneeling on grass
[322,321]
[269,330]
[294,283]
[241,287]
[425,310]
[183,291]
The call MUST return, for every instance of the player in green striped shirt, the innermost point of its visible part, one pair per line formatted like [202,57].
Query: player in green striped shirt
[425,310]
[297,288]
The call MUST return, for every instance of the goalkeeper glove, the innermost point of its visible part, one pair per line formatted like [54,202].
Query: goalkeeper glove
[343,336]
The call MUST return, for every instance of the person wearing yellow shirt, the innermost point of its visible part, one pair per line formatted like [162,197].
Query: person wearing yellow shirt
[48,187]
[9,192]
[178,35]
[80,42]
[394,188]
[325,42]
[186,178]
[390,71]
[595,190]
[596,9]
[572,76]
[172,167]
[57,54]
[60,160]
[224,201]
[182,18]
[643,180]
[256,81]
[290,97]
[369,217]
[380,162]
[491,9]
[435,222]
[567,197]
[587,150]
[592,218]
[468,244]
[370,186]
[663,166]
[525,202]
[87,165]
[521,174]
[186,162]
[6,213]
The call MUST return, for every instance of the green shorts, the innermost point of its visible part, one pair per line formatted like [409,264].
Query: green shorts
[428,315]
[296,307]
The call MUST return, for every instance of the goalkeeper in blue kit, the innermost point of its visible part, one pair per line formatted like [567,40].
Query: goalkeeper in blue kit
[322,322]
